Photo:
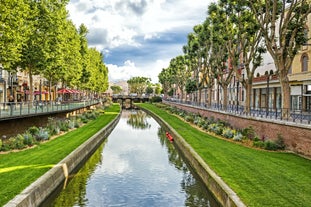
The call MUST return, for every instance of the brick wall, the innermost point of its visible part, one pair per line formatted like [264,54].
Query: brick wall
[297,137]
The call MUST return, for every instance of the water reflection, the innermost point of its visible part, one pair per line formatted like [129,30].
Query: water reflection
[136,166]
[138,120]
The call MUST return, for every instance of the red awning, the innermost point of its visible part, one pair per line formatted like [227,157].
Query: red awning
[64,90]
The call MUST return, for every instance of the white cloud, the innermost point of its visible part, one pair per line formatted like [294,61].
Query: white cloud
[117,24]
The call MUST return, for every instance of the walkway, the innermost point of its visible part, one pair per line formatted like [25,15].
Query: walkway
[8,111]
[271,114]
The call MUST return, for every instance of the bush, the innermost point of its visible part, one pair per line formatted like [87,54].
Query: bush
[28,139]
[189,118]
[280,142]
[42,135]
[33,130]
[270,145]
[238,136]
[71,124]
[259,144]
[249,133]
[156,99]
[18,142]
[228,133]
[217,129]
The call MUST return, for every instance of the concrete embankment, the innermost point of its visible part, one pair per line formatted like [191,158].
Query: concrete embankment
[222,192]
[41,189]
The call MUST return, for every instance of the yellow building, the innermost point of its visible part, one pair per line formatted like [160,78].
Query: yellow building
[300,75]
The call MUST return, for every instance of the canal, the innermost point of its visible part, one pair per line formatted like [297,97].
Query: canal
[135,166]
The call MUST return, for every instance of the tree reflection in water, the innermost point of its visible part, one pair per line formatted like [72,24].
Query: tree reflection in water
[138,120]
[77,186]
[191,183]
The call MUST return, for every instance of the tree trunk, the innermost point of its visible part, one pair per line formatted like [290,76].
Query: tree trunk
[200,93]
[30,84]
[225,97]
[209,100]
[285,88]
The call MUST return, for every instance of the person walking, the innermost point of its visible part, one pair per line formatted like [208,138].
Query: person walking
[11,104]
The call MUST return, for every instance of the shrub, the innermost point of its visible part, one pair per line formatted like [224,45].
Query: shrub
[28,139]
[228,133]
[249,133]
[42,135]
[156,99]
[71,124]
[189,118]
[259,144]
[33,130]
[280,142]
[217,129]
[270,145]
[238,136]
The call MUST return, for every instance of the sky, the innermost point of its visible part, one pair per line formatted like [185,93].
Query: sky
[138,37]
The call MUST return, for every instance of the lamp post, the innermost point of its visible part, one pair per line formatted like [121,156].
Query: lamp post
[40,91]
[268,93]
[237,95]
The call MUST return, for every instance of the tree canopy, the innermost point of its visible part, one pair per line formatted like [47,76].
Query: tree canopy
[38,37]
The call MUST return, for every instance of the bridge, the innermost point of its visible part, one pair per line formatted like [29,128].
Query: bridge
[127,101]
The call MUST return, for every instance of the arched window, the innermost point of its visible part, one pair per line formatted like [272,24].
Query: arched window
[304,62]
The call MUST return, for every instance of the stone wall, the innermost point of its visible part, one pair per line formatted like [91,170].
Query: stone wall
[297,137]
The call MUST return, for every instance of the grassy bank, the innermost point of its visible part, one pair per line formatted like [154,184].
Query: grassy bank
[260,178]
[20,169]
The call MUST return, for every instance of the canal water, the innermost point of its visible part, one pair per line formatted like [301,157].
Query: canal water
[135,166]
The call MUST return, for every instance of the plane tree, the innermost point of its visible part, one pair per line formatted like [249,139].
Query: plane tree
[14,31]
[283,24]
[138,84]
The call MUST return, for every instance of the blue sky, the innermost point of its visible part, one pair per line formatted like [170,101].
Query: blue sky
[138,37]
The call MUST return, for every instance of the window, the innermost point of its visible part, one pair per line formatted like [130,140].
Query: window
[304,63]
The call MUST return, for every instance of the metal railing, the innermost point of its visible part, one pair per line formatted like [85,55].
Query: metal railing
[282,114]
[15,109]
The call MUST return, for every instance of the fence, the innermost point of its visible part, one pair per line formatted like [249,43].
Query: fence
[303,117]
[15,109]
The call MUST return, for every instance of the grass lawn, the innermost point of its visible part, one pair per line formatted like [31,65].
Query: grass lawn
[19,169]
[260,178]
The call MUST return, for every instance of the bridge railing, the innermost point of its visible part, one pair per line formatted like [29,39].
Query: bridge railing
[14,109]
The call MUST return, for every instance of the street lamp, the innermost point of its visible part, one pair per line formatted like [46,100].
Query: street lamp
[40,91]
[268,75]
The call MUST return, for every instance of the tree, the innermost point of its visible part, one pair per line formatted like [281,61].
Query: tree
[282,23]
[116,89]
[179,73]
[138,84]
[165,78]
[14,31]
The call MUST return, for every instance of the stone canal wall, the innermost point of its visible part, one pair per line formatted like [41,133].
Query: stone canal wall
[42,188]
[222,192]
[297,137]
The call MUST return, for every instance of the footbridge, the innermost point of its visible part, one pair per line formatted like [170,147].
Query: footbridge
[127,101]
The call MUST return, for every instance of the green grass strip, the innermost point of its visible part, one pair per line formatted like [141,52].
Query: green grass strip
[19,169]
[260,178]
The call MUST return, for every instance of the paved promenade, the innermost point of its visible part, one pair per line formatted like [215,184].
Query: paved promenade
[14,110]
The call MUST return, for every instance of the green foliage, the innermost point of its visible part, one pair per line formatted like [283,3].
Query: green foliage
[156,99]
[228,133]
[237,137]
[280,142]
[249,132]
[215,128]
[29,140]
[138,84]
[33,130]
[42,135]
